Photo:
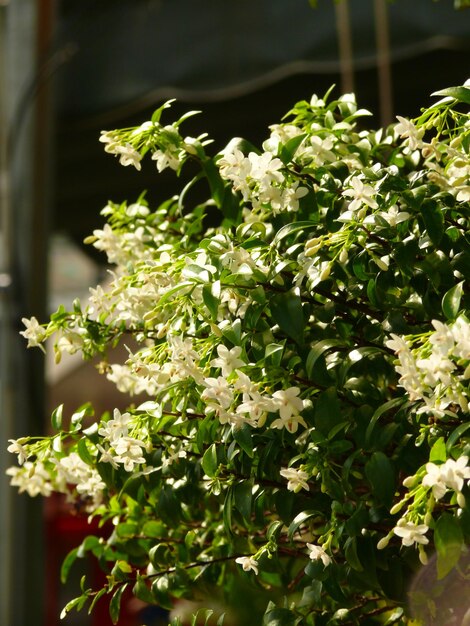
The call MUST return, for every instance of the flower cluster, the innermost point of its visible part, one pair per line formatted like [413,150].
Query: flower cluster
[434,369]
[287,366]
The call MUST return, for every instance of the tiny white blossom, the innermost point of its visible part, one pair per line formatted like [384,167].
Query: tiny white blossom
[129,452]
[287,402]
[454,473]
[361,194]
[407,130]
[219,390]
[34,332]
[18,448]
[128,156]
[32,478]
[434,479]
[228,360]
[318,553]
[248,563]
[116,427]
[297,479]
[411,533]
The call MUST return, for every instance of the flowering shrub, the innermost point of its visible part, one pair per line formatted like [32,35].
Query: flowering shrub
[304,439]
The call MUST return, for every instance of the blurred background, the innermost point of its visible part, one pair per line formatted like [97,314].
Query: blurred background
[70,68]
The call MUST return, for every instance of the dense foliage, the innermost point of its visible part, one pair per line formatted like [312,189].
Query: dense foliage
[303,449]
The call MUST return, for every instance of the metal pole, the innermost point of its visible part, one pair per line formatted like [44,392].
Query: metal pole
[23,271]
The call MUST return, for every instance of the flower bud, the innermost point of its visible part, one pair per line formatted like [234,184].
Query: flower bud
[396,507]
[343,257]
[383,543]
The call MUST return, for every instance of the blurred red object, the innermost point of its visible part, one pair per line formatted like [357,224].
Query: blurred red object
[65,529]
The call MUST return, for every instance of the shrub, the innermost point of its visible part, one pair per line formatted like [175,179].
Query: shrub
[304,443]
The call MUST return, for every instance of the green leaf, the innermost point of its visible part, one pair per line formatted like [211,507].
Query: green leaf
[76,603]
[381,476]
[169,506]
[438,451]
[286,309]
[242,435]
[158,112]
[279,617]
[83,451]
[350,552]
[152,529]
[289,149]
[211,299]
[115,603]
[319,348]
[243,498]
[273,354]
[227,511]
[56,417]
[433,220]
[462,94]
[448,539]
[160,592]
[67,564]
[451,301]
[327,411]
[209,461]
[456,434]
[97,596]
[142,591]
[378,413]
[298,520]
[289,229]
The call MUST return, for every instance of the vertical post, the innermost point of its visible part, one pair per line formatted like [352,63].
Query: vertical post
[6,523]
[382,38]
[23,271]
[343,27]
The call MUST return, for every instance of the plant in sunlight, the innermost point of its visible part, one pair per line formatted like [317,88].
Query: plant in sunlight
[303,341]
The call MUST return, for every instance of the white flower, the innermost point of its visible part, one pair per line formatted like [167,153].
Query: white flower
[248,563]
[436,368]
[406,129]
[219,390]
[393,216]
[289,423]
[461,335]
[442,339]
[361,194]
[129,452]
[287,402]
[321,150]
[137,210]
[434,478]
[411,533]
[265,169]
[297,479]
[116,427]
[106,456]
[228,360]
[17,448]
[32,478]
[166,159]
[317,552]
[291,196]
[71,469]
[235,166]
[128,156]
[34,332]
[397,344]
[171,457]
[454,473]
